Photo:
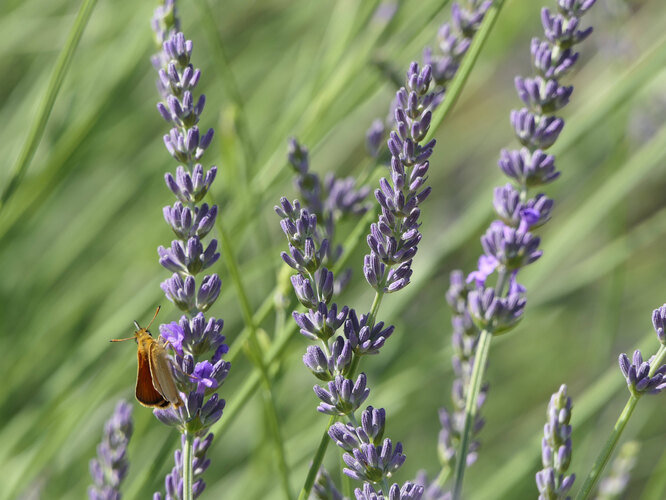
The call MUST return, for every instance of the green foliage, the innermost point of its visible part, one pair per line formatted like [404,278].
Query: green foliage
[78,237]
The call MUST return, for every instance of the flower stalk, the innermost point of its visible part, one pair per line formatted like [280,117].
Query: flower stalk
[510,244]
[656,368]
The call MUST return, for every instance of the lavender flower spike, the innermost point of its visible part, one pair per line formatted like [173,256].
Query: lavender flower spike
[637,374]
[197,341]
[110,467]
[394,238]
[552,481]
[509,244]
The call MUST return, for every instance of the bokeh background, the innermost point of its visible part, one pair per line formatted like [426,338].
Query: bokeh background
[78,239]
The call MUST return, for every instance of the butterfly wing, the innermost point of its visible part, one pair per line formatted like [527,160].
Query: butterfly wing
[160,369]
[146,392]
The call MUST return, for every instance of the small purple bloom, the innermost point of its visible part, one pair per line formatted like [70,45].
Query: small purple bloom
[365,339]
[659,323]
[637,373]
[372,463]
[344,396]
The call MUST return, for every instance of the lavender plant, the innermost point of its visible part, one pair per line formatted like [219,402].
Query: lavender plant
[453,41]
[509,244]
[196,340]
[393,243]
[111,465]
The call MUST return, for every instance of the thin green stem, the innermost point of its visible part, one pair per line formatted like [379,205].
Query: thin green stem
[274,424]
[188,480]
[607,451]
[46,106]
[385,487]
[471,408]
[317,459]
[374,309]
[257,357]
[459,81]
[443,476]
[620,424]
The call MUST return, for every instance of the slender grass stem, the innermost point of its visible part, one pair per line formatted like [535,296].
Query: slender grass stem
[316,461]
[46,106]
[620,424]
[257,357]
[471,408]
[188,481]
[459,81]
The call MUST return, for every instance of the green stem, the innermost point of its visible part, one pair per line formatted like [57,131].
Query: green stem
[188,480]
[620,424]
[443,476]
[46,106]
[604,456]
[458,83]
[316,461]
[471,408]
[374,309]
[257,357]
[385,487]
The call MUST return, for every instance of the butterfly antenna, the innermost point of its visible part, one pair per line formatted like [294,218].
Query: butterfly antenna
[155,316]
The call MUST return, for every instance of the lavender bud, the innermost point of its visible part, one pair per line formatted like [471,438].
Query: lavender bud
[637,374]
[369,462]
[659,322]
[343,395]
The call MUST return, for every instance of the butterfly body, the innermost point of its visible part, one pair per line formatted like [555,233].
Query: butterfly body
[155,384]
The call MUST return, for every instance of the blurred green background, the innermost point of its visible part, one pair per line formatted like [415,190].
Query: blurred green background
[78,239]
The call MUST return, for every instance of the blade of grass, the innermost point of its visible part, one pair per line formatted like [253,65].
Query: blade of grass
[44,111]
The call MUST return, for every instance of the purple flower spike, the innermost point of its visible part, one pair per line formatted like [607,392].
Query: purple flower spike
[637,373]
[509,244]
[496,314]
[111,466]
[510,209]
[343,395]
[196,341]
[365,339]
[372,463]
[552,480]
[512,248]
[528,168]
[394,238]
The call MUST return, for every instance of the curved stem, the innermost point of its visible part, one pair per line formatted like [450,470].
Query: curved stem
[620,424]
[45,107]
[188,480]
[471,408]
